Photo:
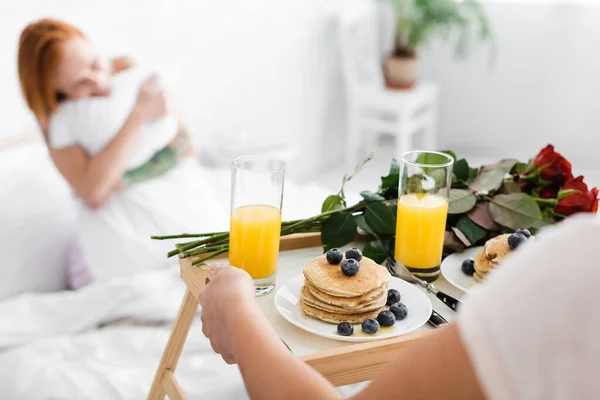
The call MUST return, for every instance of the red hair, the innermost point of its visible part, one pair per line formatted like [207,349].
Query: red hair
[40,52]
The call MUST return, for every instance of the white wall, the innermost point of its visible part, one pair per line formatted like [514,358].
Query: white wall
[271,67]
[544,86]
[264,66]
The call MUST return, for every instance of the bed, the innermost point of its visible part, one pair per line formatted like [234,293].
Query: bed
[103,341]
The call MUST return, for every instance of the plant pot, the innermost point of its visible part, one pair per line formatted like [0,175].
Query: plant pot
[400,72]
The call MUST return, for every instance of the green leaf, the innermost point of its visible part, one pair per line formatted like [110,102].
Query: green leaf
[506,165]
[338,230]
[515,210]
[362,224]
[489,180]
[414,183]
[461,169]
[393,177]
[370,196]
[332,202]
[520,167]
[432,159]
[460,201]
[381,218]
[376,251]
[450,153]
[473,173]
[509,187]
[471,230]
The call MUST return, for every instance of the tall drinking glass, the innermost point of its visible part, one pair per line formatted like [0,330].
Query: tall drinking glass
[425,179]
[256,196]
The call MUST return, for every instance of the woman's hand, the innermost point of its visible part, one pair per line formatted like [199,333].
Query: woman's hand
[152,101]
[229,293]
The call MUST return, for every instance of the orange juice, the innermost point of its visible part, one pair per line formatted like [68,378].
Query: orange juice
[420,227]
[254,240]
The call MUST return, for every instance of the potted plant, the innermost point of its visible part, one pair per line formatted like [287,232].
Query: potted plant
[418,22]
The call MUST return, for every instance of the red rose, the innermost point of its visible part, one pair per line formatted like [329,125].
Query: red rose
[584,201]
[556,168]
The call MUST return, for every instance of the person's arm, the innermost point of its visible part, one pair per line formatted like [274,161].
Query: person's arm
[431,368]
[179,149]
[95,178]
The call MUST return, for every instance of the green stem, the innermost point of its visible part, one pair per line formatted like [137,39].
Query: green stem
[551,202]
[185,235]
[203,250]
[208,257]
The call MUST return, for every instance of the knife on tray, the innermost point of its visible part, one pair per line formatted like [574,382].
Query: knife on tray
[403,273]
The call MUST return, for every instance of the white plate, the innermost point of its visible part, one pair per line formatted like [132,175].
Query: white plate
[287,302]
[451,269]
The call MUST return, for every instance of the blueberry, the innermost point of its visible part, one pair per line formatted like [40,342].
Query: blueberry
[399,310]
[468,266]
[345,329]
[393,297]
[515,240]
[354,254]
[350,267]
[524,232]
[386,318]
[370,326]
[334,256]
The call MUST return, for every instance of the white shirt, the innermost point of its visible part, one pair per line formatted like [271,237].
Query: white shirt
[533,330]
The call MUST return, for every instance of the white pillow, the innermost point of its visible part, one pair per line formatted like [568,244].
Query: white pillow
[37,217]
[93,122]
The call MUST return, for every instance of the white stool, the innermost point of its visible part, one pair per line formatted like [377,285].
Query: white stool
[371,107]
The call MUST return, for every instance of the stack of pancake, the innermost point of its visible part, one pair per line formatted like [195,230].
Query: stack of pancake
[493,253]
[333,297]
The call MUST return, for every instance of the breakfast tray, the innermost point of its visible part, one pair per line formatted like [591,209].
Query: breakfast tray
[341,366]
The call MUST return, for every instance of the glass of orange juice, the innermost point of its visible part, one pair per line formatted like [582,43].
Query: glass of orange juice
[255,223]
[425,180]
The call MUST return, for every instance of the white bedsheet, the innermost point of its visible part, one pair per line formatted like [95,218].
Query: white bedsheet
[52,348]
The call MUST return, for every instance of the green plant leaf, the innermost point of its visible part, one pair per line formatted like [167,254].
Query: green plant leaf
[362,224]
[520,167]
[488,180]
[332,202]
[509,187]
[461,169]
[450,153]
[376,251]
[473,173]
[414,183]
[338,230]
[393,177]
[506,165]
[480,214]
[370,196]
[471,230]
[380,218]
[460,201]
[432,158]
[515,210]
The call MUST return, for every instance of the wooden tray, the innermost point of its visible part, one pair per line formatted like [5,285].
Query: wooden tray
[341,366]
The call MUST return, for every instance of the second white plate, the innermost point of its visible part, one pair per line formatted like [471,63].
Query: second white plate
[452,271]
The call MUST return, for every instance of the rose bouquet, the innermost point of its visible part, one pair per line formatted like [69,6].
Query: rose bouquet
[483,202]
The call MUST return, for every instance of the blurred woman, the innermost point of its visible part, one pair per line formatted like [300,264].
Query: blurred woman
[120,207]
